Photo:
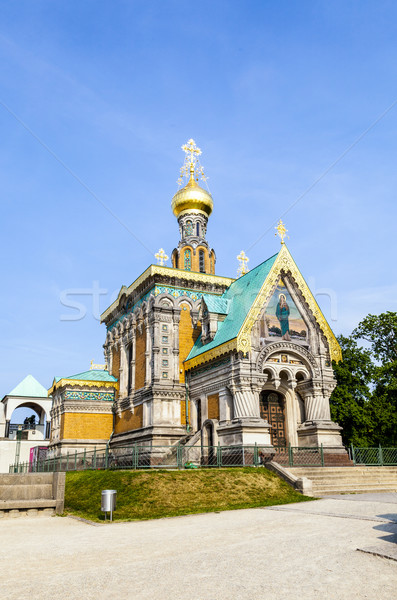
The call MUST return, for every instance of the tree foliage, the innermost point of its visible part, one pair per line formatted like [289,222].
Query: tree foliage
[364,402]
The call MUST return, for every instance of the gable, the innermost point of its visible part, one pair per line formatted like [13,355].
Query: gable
[281,318]
[248,295]
[285,264]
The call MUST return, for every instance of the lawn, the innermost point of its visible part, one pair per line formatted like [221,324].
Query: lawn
[156,494]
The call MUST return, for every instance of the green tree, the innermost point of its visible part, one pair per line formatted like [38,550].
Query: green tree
[349,400]
[380,332]
[364,402]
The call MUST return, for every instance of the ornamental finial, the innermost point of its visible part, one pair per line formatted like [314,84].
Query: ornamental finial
[243,259]
[281,231]
[161,257]
[191,168]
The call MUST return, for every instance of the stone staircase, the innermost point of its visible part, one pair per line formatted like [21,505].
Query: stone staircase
[31,494]
[348,480]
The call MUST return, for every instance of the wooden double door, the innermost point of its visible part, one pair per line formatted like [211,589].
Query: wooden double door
[272,409]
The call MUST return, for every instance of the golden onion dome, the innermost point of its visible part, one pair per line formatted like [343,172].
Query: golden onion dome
[192,197]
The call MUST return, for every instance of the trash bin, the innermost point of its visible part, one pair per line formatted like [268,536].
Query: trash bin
[108,502]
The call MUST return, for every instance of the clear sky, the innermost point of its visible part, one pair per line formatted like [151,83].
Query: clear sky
[96,99]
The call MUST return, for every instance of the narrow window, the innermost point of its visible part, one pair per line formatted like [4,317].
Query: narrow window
[189,228]
[188,260]
[129,358]
[198,229]
[201,261]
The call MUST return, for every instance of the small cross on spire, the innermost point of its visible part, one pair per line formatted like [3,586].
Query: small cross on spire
[243,259]
[281,231]
[191,166]
[161,257]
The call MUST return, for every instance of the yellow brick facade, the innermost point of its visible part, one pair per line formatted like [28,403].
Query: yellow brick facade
[213,406]
[128,421]
[183,412]
[187,336]
[178,259]
[93,426]
[140,358]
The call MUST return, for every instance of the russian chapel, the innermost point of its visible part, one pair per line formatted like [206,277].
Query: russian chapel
[200,358]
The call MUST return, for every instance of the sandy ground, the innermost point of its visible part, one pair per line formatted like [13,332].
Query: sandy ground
[306,550]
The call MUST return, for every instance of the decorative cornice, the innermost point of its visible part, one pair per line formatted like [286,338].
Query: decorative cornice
[154,270]
[77,383]
[225,348]
[286,346]
[285,262]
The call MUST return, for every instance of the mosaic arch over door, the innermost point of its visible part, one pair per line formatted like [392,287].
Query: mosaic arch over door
[272,409]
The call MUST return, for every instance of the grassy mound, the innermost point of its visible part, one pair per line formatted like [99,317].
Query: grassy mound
[156,494]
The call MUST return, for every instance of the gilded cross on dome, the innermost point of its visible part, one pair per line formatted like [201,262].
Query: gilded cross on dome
[161,257]
[191,167]
[243,259]
[281,231]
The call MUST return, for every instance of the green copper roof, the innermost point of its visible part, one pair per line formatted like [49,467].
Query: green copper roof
[216,304]
[241,295]
[30,388]
[93,375]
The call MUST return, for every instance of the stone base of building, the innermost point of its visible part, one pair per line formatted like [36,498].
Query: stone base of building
[321,433]
[245,432]
[149,436]
[71,446]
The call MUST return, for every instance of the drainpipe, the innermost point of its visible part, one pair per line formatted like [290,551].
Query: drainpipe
[188,428]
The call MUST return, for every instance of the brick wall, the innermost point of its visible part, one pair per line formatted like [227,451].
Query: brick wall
[129,422]
[116,366]
[183,412]
[140,358]
[187,337]
[86,426]
[213,406]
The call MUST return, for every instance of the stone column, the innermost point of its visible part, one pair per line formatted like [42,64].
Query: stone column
[225,405]
[148,353]
[133,344]
[175,349]
[123,368]
[317,407]
[156,349]
[246,403]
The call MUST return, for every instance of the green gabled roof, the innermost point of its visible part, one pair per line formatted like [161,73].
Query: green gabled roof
[29,388]
[241,295]
[216,304]
[93,375]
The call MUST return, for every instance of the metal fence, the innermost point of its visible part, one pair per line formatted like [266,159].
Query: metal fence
[380,457]
[191,457]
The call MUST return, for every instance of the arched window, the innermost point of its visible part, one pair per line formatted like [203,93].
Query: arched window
[201,261]
[188,260]
[188,228]
[198,229]
[176,260]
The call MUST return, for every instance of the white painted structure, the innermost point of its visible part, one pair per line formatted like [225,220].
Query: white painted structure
[29,393]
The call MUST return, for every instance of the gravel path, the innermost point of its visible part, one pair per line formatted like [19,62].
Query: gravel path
[306,550]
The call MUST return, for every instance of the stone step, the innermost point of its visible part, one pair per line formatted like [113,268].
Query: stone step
[26,504]
[343,471]
[350,476]
[25,492]
[25,479]
[354,490]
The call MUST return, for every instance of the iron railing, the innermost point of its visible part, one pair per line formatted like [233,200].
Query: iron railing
[189,457]
[380,457]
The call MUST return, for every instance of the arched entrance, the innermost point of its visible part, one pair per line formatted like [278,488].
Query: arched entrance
[272,409]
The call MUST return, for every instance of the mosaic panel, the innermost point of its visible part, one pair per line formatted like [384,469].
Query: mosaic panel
[158,289]
[80,395]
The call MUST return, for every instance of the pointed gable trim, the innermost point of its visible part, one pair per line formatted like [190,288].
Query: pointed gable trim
[285,262]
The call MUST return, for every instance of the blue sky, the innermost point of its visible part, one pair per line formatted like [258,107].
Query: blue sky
[273,93]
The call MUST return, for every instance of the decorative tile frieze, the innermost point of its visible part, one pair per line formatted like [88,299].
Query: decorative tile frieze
[80,395]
